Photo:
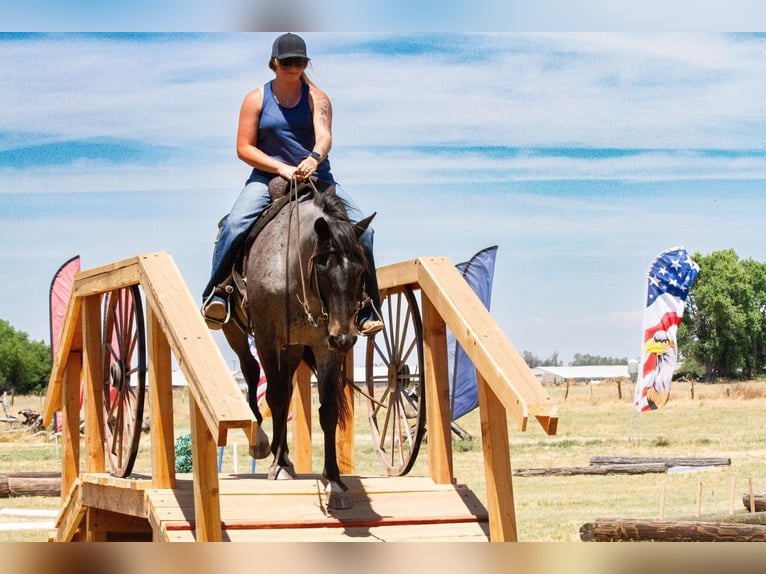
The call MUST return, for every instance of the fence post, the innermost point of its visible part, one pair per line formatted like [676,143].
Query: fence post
[497,465]
[437,394]
[207,504]
[160,404]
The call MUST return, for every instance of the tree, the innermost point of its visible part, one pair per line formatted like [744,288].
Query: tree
[24,365]
[587,360]
[724,324]
[533,360]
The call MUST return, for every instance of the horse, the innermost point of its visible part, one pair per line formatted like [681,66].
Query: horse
[303,288]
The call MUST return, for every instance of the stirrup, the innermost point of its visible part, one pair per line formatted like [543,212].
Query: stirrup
[216,313]
[370,327]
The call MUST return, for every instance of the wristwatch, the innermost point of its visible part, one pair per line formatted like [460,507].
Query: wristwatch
[315,155]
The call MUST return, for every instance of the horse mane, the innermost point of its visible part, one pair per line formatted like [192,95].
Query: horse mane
[344,239]
[342,232]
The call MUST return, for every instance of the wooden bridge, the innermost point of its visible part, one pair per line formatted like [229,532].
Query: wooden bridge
[206,506]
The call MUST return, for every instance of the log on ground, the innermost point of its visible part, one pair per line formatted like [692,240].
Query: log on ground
[759,500]
[30,484]
[620,529]
[601,469]
[670,461]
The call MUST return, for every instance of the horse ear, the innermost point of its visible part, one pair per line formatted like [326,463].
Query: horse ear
[322,228]
[362,226]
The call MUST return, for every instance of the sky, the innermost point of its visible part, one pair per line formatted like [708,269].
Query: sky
[582,155]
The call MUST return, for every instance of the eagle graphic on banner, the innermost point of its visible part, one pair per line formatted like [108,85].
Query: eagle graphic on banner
[668,280]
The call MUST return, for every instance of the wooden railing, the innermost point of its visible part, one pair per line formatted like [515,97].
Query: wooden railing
[174,326]
[506,386]
[505,382]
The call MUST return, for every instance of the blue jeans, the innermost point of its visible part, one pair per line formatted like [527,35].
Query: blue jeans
[252,201]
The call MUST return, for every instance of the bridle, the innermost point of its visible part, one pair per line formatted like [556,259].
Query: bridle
[313,277]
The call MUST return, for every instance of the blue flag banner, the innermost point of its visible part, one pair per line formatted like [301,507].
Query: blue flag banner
[464,396]
[668,280]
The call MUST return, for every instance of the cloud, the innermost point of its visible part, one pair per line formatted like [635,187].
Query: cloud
[581,155]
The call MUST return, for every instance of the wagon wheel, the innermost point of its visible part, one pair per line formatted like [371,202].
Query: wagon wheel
[396,402]
[124,362]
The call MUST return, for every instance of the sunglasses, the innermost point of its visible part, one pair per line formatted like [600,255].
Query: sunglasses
[293,62]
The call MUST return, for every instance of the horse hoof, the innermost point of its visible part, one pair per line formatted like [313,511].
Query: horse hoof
[337,497]
[281,473]
[284,474]
[260,449]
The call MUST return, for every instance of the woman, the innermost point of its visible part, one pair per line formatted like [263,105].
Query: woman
[285,129]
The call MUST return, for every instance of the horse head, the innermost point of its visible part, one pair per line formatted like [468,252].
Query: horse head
[338,267]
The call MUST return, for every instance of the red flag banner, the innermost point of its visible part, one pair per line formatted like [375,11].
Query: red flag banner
[61,290]
[668,280]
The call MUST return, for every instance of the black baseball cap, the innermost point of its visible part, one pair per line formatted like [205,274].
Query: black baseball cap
[289,46]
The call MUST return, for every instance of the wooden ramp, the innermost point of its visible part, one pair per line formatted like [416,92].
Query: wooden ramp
[208,507]
[254,509]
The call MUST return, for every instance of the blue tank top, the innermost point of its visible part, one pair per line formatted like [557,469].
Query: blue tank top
[287,134]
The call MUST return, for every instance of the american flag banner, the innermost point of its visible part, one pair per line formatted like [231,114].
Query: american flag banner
[260,394]
[668,280]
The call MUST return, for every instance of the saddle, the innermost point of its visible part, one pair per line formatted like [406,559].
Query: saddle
[236,282]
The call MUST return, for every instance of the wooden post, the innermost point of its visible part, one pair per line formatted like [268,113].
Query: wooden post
[70,398]
[160,404]
[207,504]
[497,465]
[302,419]
[438,415]
[752,497]
[93,375]
[94,532]
[344,439]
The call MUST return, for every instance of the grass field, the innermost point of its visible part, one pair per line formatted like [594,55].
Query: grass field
[722,420]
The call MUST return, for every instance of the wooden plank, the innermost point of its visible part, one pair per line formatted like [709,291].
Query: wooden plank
[211,383]
[497,465]
[344,438]
[70,449]
[461,532]
[207,509]
[485,343]
[306,505]
[130,502]
[288,512]
[106,278]
[72,513]
[302,413]
[257,484]
[396,275]
[436,371]
[160,404]
[133,482]
[93,383]
[296,508]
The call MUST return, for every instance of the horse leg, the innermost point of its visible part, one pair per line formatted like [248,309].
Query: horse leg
[331,407]
[279,368]
[239,343]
